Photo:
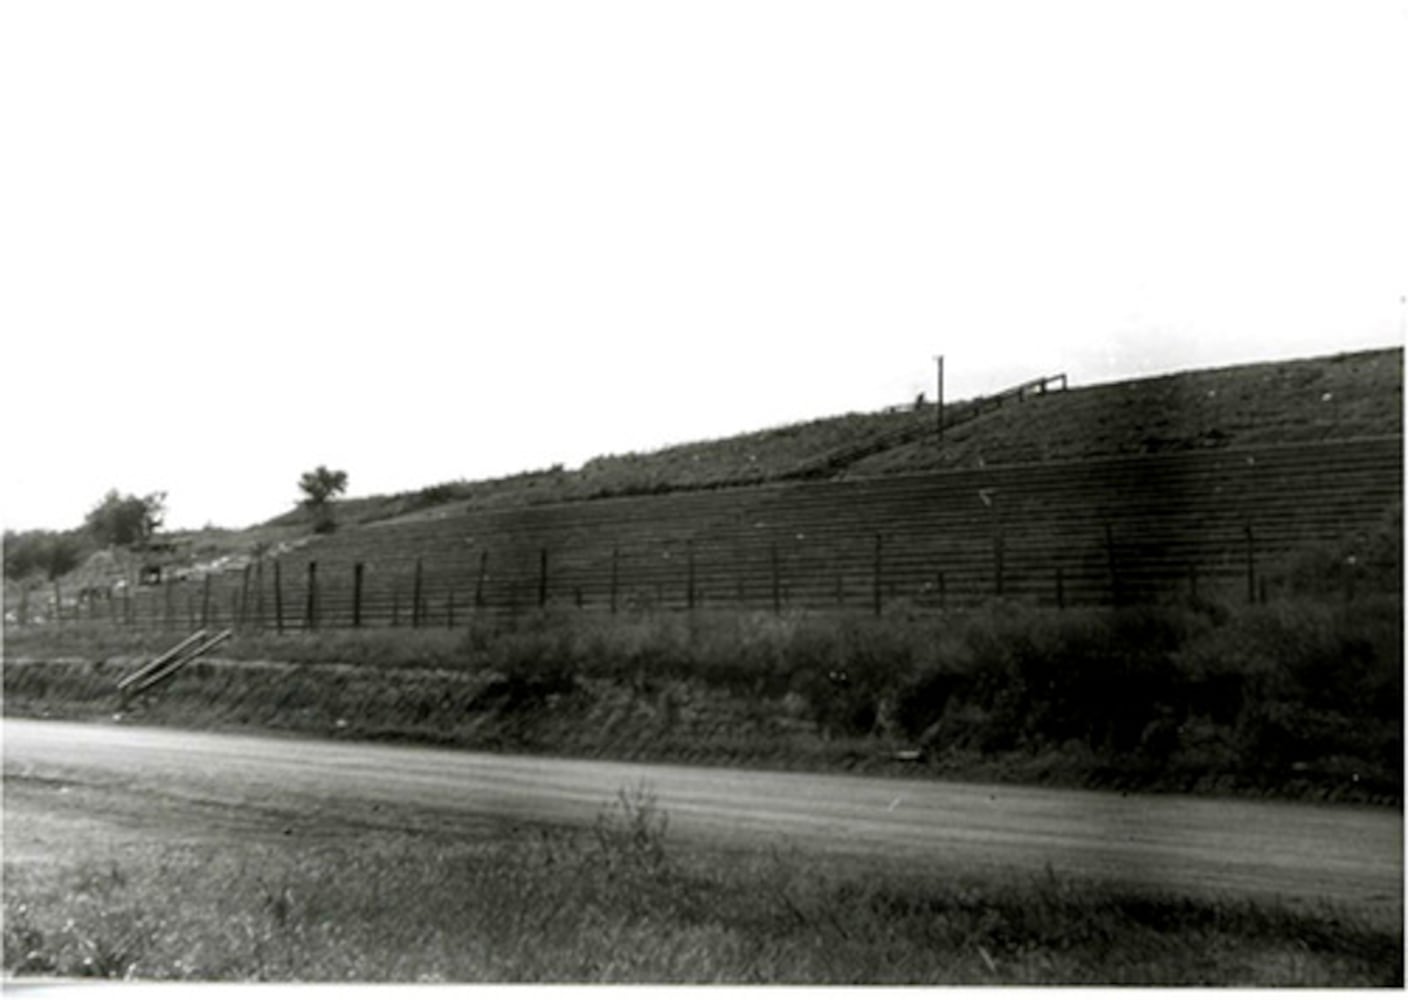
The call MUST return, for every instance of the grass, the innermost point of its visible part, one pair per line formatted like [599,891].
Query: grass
[621,903]
[1298,698]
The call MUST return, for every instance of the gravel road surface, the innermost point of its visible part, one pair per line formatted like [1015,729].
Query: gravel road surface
[1352,856]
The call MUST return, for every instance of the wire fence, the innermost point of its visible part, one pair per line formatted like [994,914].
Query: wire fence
[1111,532]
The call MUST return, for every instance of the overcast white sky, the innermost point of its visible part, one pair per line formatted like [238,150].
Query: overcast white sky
[426,241]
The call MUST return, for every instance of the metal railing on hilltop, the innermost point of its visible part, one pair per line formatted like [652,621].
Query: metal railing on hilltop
[954,415]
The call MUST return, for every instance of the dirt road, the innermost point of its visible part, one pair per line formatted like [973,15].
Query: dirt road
[1350,855]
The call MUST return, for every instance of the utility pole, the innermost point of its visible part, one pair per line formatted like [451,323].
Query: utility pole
[939,410]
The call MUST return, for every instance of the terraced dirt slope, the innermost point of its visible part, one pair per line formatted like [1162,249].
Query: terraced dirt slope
[1221,522]
[1318,399]
[1344,396]
[1116,492]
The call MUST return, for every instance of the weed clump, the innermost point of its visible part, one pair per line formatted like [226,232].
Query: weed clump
[1297,697]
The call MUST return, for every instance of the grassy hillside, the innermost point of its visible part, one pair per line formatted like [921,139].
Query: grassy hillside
[1314,399]
[1318,399]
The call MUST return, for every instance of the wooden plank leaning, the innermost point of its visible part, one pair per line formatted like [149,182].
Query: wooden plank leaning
[169,669]
[150,668]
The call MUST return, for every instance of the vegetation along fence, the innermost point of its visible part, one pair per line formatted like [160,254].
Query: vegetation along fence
[1217,523]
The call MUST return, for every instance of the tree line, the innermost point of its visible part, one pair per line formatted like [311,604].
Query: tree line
[131,521]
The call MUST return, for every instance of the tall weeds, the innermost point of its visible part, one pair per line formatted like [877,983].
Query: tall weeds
[1299,696]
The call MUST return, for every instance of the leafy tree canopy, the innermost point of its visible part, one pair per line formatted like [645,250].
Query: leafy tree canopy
[321,485]
[52,553]
[126,520]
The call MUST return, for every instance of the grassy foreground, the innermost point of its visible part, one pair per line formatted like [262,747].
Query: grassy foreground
[617,903]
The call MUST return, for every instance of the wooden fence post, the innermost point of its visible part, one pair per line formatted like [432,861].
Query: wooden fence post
[1113,565]
[310,607]
[357,570]
[278,596]
[259,593]
[879,572]
[479,581]
[776,582]
[689,574]
[542,577]
[58,603]
[943,592]
[1251,564]
[244,592]
[416,595]
[615,574]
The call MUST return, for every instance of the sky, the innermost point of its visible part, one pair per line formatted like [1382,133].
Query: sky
[431,241]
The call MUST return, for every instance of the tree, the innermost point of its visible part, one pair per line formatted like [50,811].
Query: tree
[126,520]
[53,553]
[319,487]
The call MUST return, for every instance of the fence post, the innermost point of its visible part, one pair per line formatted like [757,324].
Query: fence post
[776,582]
[943,592]
[1251,564]
[689,574]
[58,603]
[244,593]
[479,581]
[1114,566]
[879,570]
[278,596]
[205,601]
[542,577]
[259,593]
[357,595]
[997,547]
[615,574]
[310,607]
[416,595]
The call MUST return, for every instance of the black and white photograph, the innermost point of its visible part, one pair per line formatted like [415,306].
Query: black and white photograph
[664,493]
